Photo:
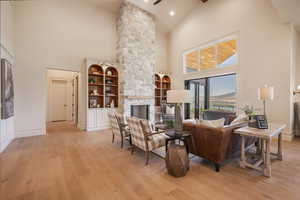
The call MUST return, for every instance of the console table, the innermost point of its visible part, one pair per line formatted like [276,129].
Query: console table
[264,136]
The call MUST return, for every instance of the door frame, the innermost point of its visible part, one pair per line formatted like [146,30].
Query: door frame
[50,98]
[79,102]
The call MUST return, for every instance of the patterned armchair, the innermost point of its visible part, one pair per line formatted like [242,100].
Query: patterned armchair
[117,129]
[143,137]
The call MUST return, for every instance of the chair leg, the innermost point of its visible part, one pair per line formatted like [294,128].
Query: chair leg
[130,140]
[132,149]
[122,142]
[113,138]
[217,167]
[147,157]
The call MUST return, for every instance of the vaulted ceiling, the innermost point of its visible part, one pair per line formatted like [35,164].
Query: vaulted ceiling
[165,22]
[289,11]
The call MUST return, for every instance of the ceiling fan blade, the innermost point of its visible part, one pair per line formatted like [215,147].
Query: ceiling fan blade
[157,2]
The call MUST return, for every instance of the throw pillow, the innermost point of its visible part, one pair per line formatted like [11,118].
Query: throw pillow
[170,110]
[219,123]
[193,121]
[241,118]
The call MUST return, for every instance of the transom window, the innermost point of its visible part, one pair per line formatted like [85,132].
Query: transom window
[218,54]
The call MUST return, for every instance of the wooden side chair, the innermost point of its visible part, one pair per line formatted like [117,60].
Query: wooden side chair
[143,137]
[116,129]
[123,126]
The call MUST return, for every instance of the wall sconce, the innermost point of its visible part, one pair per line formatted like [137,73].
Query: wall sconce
[297,91]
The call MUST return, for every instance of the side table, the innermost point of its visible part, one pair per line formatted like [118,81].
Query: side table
[183,136]
[265,136]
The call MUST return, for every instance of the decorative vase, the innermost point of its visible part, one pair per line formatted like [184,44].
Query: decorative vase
[112,104]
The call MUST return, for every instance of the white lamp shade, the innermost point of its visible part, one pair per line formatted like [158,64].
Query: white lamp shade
[298,87]
[178,96]
[266,93]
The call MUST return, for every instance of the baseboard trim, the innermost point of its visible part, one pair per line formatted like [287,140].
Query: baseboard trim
[30,133]
[287,138]
[98,128]
[5,143]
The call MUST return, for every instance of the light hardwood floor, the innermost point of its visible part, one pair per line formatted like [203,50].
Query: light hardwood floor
[71,165]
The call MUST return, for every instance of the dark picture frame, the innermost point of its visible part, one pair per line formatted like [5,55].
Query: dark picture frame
[7,90]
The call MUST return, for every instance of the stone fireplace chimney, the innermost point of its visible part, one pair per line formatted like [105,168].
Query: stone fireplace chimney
[136,56]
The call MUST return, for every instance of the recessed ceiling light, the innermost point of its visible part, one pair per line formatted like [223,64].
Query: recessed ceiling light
[172,13]
[146,1]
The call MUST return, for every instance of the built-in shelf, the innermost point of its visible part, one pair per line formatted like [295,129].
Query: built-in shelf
[95,86]
[162,85]
[111,87]
[102,87]
[96,75]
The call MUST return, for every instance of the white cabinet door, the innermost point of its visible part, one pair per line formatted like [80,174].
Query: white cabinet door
[99,118]
[106,122]
[92,117]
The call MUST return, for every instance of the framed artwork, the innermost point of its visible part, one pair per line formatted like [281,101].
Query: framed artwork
[7,90]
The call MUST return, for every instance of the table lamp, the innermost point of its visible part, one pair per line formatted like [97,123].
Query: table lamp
[297,91]
[178,97]
[265,93]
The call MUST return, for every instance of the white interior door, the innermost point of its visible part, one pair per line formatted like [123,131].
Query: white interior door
[59,100]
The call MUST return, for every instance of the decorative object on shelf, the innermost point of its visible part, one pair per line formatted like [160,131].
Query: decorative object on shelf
[96,73]
[93,103]
[92,81]
[95,93]
[112,104]
[265,93]
[109,73]
[7,90]
[98,105]
[109,82]
[297,91]
[178,97]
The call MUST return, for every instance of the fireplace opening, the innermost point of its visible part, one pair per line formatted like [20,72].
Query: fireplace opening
[140,111]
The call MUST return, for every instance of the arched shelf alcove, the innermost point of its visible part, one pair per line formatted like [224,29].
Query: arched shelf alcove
[95,86]
[111,87]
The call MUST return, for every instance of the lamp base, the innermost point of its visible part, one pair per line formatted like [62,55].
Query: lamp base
[178,118]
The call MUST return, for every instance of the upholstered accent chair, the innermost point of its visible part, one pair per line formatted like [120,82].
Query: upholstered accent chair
[143,137]
[123,126]
[117,129]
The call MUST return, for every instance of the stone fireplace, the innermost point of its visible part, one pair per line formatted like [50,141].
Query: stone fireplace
[140,111]
[136,56]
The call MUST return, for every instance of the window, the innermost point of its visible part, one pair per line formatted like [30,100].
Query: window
[212,93]
[218,54]
[222,93]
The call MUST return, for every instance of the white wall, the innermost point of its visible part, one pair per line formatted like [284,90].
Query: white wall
[264,48]
[56,34]
[59,34]
[297,77]
[162,52]
[7,52]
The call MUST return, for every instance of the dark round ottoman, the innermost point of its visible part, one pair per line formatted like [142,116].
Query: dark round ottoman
[177,160]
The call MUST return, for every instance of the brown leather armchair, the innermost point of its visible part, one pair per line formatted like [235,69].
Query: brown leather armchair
[215,144]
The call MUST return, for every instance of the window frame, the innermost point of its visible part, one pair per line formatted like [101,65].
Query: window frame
[213,43]
[187,106]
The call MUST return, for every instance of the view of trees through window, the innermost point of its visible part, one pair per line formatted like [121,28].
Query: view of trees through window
[219,54]
[212,93]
